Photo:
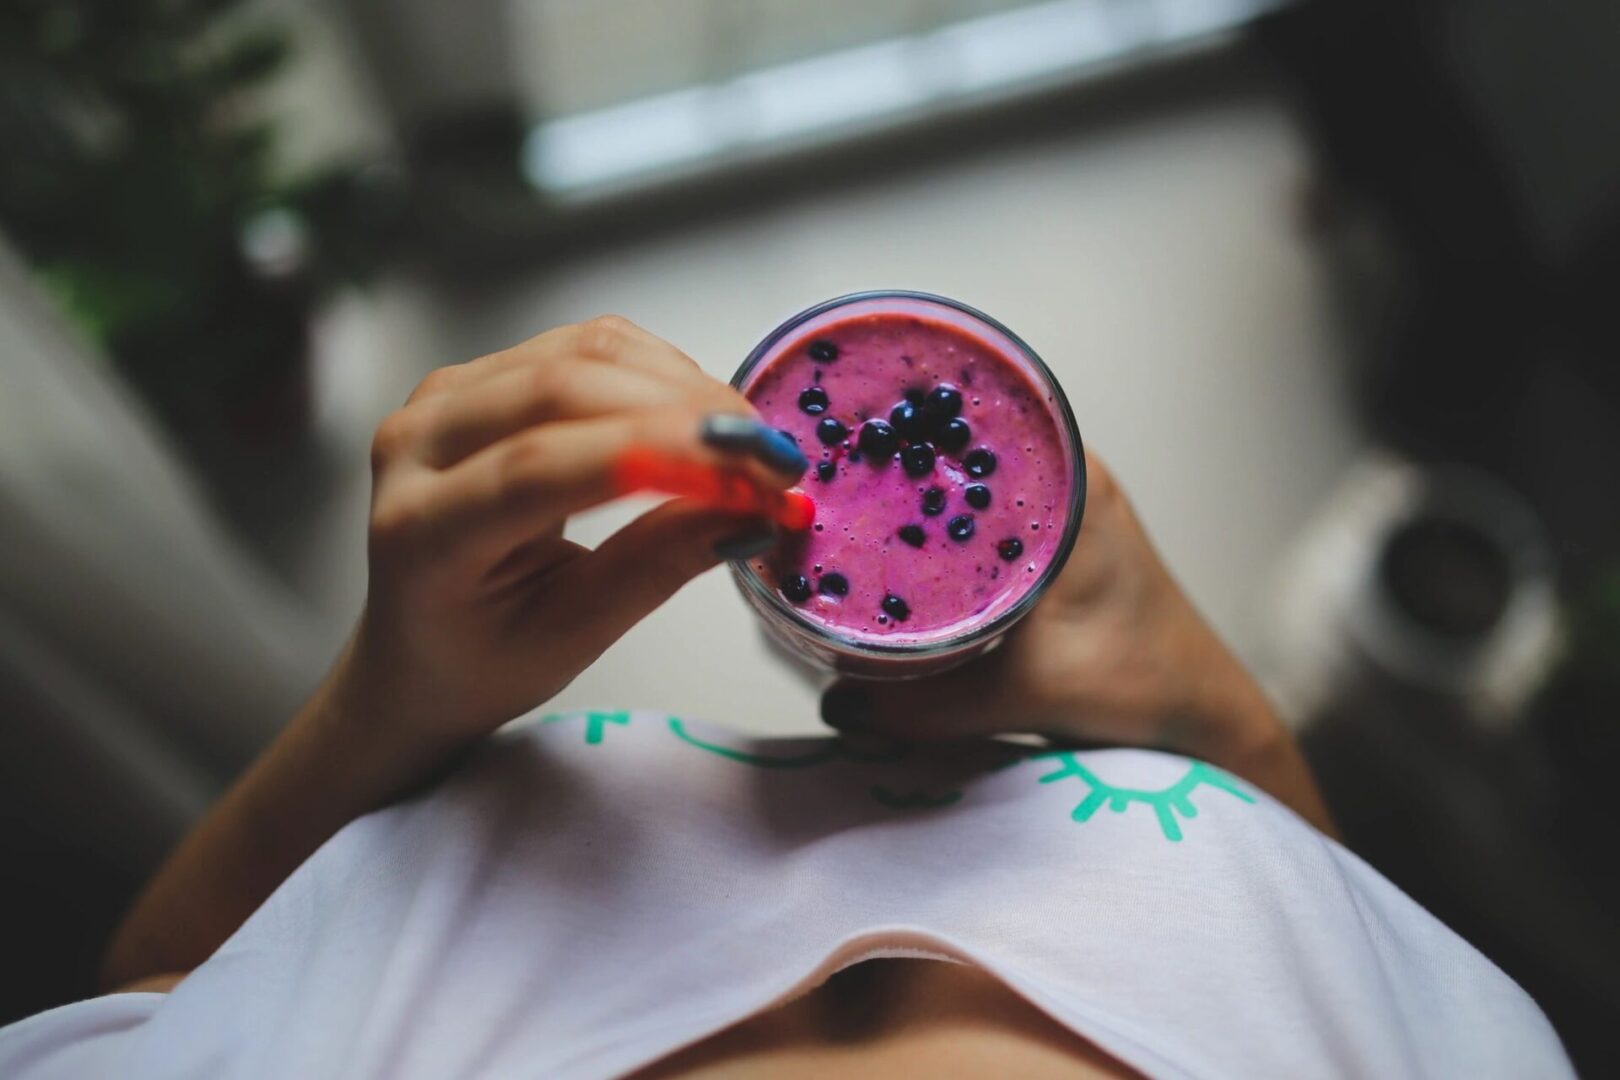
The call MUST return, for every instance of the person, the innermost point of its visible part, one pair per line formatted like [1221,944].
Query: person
[1150,887]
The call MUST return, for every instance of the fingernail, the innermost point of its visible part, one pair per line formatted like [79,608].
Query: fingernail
[743,434]
[746,543]
[781,452]
[847,708]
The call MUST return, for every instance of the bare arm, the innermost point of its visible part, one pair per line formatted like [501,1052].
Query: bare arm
[477,609]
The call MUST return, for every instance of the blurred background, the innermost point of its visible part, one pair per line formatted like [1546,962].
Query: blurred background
[1332,283]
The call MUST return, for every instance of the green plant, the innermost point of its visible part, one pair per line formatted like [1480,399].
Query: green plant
[134,160]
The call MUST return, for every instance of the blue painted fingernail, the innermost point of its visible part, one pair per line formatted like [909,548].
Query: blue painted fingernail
[743,434]
[779,450]
[746,543]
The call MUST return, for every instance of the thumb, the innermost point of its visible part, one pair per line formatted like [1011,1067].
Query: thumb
[632,572]
[978,698]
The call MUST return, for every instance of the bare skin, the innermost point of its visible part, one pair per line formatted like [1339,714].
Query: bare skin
[887,1018]
[474,479]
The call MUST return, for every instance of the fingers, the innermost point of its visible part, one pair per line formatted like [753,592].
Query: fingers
[615,340]
[496,454]
[521,487]
[608,340]
[642,565]
[592,369]
[978,698]
[525,396]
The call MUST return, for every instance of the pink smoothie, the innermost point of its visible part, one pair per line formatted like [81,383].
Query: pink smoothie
[943,497]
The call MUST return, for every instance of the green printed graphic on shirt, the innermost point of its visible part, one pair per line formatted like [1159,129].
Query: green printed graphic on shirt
[595,722]
[1166,803]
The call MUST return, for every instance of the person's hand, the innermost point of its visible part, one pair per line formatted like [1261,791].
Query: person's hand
[477,608]
[1115,653]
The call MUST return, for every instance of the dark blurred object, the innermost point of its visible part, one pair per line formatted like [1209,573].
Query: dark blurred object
[1480,137]
[1438,580]
[139,184]
[1469,203]
[1456,744]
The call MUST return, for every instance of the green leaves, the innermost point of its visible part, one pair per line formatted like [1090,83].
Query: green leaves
[133,159]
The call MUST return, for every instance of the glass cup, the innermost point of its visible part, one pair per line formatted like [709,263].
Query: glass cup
[850,654]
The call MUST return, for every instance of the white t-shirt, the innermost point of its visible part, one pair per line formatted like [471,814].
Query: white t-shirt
[596,890]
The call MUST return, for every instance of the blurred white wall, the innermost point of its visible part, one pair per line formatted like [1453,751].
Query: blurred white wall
[143,656]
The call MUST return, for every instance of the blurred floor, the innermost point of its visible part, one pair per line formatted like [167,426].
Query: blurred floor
[1154,261]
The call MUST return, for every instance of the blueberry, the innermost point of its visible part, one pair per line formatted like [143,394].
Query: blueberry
[960,527]
[914,395]
[943,402]
[933,501]
[979,463]
[825,471]
[909,421]
[814,400]
[796,588]
[834,584]
[918,459]
[977,496]
[880,440]
[954,434]
[823,351]
[913,535]
[896,607]
[832,432]
[1010,548]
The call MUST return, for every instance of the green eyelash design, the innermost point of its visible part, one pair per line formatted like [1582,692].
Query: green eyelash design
[1167,803]
[830,749]
[595,722]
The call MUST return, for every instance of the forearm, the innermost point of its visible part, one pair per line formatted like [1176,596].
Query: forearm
[346,752]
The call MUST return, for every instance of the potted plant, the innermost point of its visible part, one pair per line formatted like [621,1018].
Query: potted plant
[140,185]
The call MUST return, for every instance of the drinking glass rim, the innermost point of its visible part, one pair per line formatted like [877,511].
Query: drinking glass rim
[749,580]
